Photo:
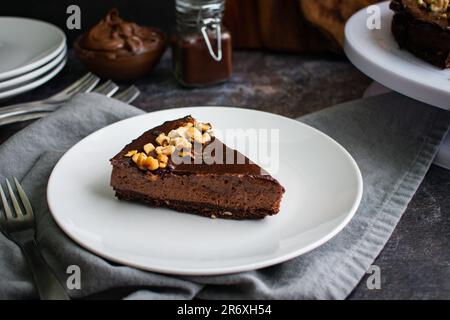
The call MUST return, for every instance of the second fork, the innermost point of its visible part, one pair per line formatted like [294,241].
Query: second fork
[20,228]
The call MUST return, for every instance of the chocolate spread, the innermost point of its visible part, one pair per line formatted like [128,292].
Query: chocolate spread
[115,37]
[120,50]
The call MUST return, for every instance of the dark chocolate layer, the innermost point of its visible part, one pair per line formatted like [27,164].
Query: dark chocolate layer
[219,166]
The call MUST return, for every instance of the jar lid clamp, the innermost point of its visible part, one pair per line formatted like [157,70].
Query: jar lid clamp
[213,24]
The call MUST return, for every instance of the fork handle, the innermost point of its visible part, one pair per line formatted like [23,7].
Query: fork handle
[48,286]
[27,107]
[22,117]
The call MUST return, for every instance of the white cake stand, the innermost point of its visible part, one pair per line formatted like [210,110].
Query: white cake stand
[376,53]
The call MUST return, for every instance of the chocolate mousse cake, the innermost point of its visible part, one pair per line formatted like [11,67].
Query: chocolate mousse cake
[422,27]
[182,166]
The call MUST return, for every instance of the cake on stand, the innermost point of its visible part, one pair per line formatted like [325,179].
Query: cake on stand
[376,53]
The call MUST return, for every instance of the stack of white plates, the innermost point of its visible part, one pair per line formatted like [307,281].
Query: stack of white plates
[31,53]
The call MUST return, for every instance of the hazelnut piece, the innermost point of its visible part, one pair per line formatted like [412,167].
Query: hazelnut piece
[163,165]
[194,134]
[181,143]
[163,158]
[130,153]
[206,137]
[151,163]
[139,159]
[162,139]
[149,147]
[167,150]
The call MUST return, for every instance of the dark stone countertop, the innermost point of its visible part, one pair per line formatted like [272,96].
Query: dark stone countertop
[415,264]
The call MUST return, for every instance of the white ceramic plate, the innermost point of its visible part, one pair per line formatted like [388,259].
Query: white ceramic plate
[28,77]
[323,190]
[27,44]
[377,54]
[33,84]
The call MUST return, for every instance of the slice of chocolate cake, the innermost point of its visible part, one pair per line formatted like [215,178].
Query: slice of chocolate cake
[181,165]
[422,27]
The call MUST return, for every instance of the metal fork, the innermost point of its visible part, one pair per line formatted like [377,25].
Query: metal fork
[109,88]
[20,228]
[84,84]
[128,95]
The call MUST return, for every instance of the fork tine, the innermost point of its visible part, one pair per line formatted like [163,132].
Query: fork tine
[122,94]
[6,207]
[87,86]
[107,88]
[16,205]
[102,87]
[128,95]
[133,96]
[127,92]
[75,85]
[23,196]
[87,77]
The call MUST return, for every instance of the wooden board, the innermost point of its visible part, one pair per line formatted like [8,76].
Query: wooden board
[290,25]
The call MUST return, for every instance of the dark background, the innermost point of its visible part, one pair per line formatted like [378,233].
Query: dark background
[156,13]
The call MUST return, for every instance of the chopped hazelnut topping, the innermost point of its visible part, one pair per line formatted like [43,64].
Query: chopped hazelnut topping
[163,158]
[203,126]
[149,147]
[135,157]
[435,6]
[151,163]
[163,165]
[167,150]
[162,139]
[139,159]
[173,134]
[183,154]
[131,153]
[177,139]
[194,134]
[206,138]
[179,132]
[181,143]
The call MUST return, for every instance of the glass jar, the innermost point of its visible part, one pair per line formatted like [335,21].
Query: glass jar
[201,47]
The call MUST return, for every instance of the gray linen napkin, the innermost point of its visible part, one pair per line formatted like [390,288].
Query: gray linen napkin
[392,138]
